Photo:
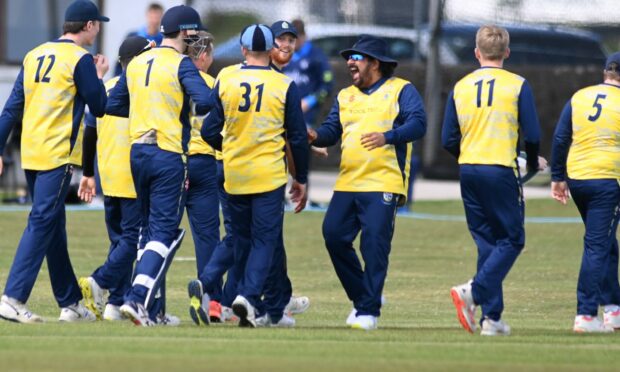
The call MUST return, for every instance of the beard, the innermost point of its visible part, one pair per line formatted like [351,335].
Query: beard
[281,58]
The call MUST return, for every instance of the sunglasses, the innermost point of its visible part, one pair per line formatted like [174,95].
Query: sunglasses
[357,57]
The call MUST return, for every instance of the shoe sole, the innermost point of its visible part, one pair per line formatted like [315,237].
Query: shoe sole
[196,312]
[89,299]
[242,312]
[131,316]
[214,318]
[301,310]
[10,319]
[357,326]
[459,304]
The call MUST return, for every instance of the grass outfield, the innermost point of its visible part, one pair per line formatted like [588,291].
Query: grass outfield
[418,328]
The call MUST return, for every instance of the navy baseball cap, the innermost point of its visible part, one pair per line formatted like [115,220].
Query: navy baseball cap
[257,38]
[614,58]
[83,11]
[132,46]
[180,17]
[280,28]
[371,46]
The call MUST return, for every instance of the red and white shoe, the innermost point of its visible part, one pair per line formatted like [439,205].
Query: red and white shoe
[612,318]
[465,307]
[590,324]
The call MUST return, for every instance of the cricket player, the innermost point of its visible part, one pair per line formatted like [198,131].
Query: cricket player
[258,108]
[203,197]
[586,160]
[110,137]
[377,118]
[159,84]
[56,81]
[484,114]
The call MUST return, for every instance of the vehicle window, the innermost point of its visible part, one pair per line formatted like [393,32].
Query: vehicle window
[537,49]
[400,49]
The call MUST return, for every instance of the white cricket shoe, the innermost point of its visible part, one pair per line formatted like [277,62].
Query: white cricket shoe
[76,313]
[297,305]
[136,313]
[245,311]
[168,320]
[612,319]
[286,321]
[465,307]
[228,315]
[112,313]
[590,324]
[491,327]
[365,322]
[94,296]
[15,311]
[351,317]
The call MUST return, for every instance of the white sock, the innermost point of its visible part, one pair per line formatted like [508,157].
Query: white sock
[611,308]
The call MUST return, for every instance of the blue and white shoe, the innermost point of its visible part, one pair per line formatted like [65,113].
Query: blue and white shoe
[137,314]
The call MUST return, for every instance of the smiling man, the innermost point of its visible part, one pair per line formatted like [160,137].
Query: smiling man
[378,117]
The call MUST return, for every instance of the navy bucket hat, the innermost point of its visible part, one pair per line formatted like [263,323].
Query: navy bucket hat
[371,46]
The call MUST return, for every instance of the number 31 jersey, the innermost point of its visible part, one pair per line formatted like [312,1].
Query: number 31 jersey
[253,101]
[53,111]
[487,106]
[595,147]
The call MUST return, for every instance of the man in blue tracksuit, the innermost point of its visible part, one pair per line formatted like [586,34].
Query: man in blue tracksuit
[310,70]
[586,160]
[253,148]
[484,114]
[377,118]
[159,84]
[57,79]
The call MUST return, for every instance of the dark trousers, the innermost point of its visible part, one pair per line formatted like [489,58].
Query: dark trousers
[223,256]
[598,202]
[45,236]
[203,210]
[495,215]
[160,179]
[257,225]
[373,213]
[122,218]
[278,288]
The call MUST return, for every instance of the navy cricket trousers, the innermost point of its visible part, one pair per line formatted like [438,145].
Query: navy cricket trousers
[122,218]
[223,256]
[598,201]
[494,209]
[160,178]
[278,288]
[203,209]
[257,224]
[373,213]
[45,236]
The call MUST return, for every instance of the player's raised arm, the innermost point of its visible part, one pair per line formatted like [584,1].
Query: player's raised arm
[118,101]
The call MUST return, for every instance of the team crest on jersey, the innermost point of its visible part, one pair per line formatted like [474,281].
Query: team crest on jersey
[351,98]
[388,197]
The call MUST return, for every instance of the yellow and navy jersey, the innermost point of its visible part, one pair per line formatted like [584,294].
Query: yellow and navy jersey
[390,106]
[484,114]
[159,84]
[113,147]
[57,80]
[255,106]
[586,143]
[196,144]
